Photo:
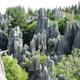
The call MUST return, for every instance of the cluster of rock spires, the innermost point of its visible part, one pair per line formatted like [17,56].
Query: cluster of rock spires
[47,39]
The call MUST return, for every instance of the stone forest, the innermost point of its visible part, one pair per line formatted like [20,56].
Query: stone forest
[42,44]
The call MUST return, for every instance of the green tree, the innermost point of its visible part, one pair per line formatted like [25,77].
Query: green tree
[18,16]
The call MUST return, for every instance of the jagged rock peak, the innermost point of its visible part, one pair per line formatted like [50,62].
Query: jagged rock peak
[15,42]
[42,20]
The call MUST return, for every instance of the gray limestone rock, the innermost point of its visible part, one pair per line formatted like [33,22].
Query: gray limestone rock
[25,50]
[37,71]
[39,39]
[2,71]
[66,42]
[42,21]
[33,44]
[38,42]
[15,43]
[4,22]
[77,39]
[52,31]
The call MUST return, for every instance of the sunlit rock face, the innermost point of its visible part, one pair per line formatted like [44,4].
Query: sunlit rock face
[52,31]
[38,42]
[42,20]
[15,42]
[33,44]
[2,70]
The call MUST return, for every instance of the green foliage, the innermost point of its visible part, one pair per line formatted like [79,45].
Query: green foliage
[62,25]
[18,16]
[69,66]
[50,14]
[13,70]
[77,17]
[42,58]
[27,63]
[32,25]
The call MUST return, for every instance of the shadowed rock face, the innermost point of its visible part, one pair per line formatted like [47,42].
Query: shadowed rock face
[52,31]
[70,40]
[15,43]
[3,40]
[2,71]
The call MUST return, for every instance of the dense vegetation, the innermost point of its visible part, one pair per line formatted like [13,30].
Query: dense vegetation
[13,70]
[69,66]
[18,17]
[42,58]
[62,25]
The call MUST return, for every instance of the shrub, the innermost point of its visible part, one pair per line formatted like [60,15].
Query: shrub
[62,25]
[42,58]
[69,66]
[13,70]
[32,25]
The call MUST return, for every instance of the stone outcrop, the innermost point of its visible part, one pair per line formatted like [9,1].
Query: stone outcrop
[42,20]
[2,71]
[70,39]
[33,44]
[15,43]
[53,36]
[38,71]
[77,39]
[38,42]
[25,50]
[4,22]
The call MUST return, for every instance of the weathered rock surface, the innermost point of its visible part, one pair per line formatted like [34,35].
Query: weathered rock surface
[38,71]
[4,22]
[2,71]
[38,42]
[53,36]
[33,44]
[77,39]
[15,43]
[69,39]
[42,20]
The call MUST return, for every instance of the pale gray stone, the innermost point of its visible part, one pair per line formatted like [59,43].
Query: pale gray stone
[2,70]
[15,42]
